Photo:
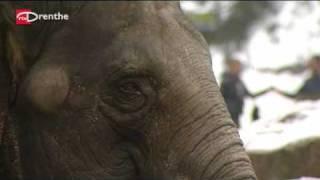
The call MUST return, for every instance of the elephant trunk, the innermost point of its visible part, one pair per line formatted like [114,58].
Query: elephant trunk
[222,156]
[217,152]
[205,143]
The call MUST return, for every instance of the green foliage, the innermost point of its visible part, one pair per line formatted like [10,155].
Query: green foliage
[202,18]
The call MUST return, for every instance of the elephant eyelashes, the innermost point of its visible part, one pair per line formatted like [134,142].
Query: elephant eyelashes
[130,88]
[128,100]
[130,94]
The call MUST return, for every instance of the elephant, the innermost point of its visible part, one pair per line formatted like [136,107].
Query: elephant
[119,91]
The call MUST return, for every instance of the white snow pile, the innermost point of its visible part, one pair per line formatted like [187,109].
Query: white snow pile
[306,178]
[282,120]
[300,120]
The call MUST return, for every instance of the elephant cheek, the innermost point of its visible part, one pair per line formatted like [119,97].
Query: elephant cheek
[47,88]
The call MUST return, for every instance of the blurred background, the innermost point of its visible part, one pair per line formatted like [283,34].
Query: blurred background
[273,48]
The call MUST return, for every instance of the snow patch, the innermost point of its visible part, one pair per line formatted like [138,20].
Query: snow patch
[290,122]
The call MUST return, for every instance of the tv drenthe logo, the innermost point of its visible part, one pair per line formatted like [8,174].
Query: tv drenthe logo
[27,17]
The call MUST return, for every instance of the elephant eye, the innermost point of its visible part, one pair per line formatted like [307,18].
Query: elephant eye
[127,100]
[130,88]
[129,94]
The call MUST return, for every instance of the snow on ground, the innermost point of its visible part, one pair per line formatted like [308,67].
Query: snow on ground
[273,104]
[298,41]
[282,120]
[306,178]
[268,133]
[291,122]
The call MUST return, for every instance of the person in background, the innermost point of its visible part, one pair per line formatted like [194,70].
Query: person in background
[311,87]
[234,90]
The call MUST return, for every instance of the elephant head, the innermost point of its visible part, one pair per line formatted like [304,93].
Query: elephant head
[119,91]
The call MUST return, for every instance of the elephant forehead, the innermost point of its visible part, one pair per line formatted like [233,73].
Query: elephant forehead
[111,18]
[139,35]
[120,15]
[96,28]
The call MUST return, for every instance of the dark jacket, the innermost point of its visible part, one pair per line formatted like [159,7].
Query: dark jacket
[233,91]
[311,86]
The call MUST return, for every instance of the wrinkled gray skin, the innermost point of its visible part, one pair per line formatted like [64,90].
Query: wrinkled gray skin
[124,91]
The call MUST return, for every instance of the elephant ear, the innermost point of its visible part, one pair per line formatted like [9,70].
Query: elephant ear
[11,72]
[12,65]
